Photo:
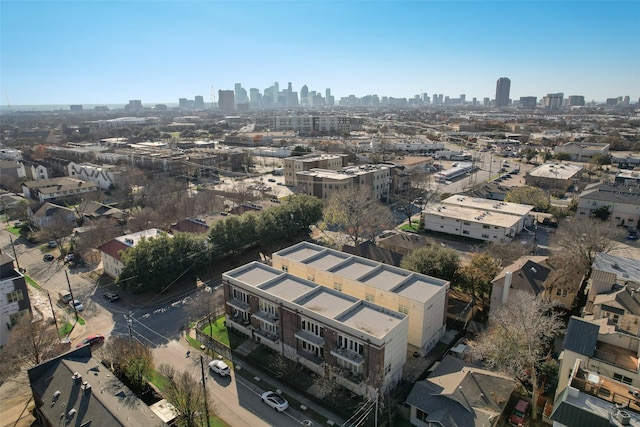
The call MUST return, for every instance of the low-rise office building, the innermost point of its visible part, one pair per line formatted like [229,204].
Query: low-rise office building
[554,175]
[362,346]
[295,164]
[321,183]
[422,298]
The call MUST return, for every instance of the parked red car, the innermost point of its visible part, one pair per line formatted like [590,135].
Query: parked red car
[519,413]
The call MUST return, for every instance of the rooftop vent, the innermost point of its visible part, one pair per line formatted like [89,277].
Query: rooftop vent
[56,395]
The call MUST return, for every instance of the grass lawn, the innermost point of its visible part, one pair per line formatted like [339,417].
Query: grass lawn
[66,329]
[220,333]
[14,230]
[407,227]
[33,283]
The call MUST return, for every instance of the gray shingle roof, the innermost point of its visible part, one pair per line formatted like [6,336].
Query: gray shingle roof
[581,336]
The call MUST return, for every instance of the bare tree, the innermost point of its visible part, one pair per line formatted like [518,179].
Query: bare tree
[506,252]
[100,231]
[207,303]
[582,239]
[129,360]
[419,195]
[30,343]
[57,229]
[184,392]
[519,337]
[355,212]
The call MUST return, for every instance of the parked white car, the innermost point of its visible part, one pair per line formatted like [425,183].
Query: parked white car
[77,304]
[274,400]
[220,368]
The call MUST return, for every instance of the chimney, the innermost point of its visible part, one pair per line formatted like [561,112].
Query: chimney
[506,287]
[86,388]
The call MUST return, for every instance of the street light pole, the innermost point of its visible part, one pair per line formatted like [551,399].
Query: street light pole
[73,301]
[14,253]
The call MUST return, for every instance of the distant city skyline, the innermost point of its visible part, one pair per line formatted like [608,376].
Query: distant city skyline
[77,52]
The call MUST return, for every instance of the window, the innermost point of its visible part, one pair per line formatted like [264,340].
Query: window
[403,309]
[15,296]
[421,415]
[466,223]
[312,327]
[622,378]
[349,343]
[465,231]
[240,296]
[486,226]
[285,268]
[485,236]
[267,307]
[370,297]
[15,317]
[562,293]
[337,287]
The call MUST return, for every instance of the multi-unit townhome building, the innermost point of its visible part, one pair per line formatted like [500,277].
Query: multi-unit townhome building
[295,164]
[422,298]
[57,188]
[360,345]
[14,297]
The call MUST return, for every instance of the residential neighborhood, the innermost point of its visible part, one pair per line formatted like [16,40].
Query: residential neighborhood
[353,267]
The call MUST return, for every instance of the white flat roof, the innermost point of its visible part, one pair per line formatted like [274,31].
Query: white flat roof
[488,205]
[556,170]
[472,215]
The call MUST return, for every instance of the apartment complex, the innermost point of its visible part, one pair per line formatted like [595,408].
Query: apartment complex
[480,219]
[104,176]
[308,124]
[321,183]
[56,188]
[622,202]
[295,164]
[362,346]
[422,298]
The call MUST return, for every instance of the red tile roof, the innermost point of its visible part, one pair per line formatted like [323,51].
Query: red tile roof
[113,248]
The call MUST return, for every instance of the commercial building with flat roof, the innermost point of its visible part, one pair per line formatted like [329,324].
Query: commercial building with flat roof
[554,175]
[423,298]
[359,344]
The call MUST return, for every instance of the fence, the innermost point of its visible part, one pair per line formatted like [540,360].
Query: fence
[209,341]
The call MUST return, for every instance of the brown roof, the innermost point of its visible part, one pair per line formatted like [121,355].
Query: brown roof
[113,248]
[190,225]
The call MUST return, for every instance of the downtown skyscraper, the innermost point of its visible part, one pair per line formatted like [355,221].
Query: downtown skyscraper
[503,86]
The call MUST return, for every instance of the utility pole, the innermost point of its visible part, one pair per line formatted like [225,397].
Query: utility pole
[73,301]
[129,318]
[204,390]
[53,313]
[14,253]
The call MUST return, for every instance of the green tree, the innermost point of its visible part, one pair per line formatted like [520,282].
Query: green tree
[155,262]
[600,160]
[475,278]
[432,260]
[562,156]
[602,213]
[517,339]
[529,195]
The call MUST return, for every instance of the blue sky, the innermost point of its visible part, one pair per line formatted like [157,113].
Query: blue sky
[107,52]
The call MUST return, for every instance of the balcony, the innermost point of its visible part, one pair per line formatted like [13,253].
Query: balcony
[348,355]
[267,335]
[616,356]
[316,360]
[309,337]
[237,319]
[272,319]
[238,305]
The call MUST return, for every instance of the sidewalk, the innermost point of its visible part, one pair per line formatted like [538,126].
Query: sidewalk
[301,398]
